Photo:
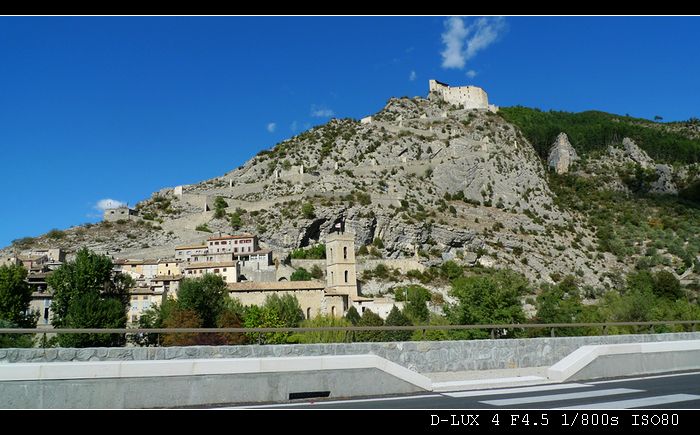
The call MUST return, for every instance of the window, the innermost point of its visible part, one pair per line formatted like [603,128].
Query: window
[216,270]
[345,252]
[308,313]
[46,315]
[346,276]
[224,269]
[333,311]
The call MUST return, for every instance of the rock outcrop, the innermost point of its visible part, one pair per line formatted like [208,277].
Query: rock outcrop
[664,184]
[562,154]
[637,154]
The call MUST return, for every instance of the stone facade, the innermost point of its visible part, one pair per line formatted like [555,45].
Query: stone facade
[469,97]
[228,270]
[341,273]
[120,213]
[310,294]
[188,253]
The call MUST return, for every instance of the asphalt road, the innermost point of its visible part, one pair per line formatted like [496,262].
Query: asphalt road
[675,391]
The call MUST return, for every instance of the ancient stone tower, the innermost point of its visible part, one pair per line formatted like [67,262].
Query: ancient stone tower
[341,273]
[469,97]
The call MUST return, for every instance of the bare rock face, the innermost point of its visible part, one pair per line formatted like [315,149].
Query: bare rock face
[562,154]
[637,154]
[665,183]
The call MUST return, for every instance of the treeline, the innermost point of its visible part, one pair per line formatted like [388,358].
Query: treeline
[593,131]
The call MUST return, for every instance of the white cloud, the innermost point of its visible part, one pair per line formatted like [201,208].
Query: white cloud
[453,38]
[412,76]
[471,73]
[321,111]
[294,126]
[463,43]
[271,127]
[107,203]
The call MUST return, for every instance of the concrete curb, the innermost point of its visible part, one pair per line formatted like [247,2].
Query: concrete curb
[586,355]
[214,366]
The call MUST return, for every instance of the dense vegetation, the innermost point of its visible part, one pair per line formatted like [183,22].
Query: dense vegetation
[642,228]
[593,131]
[88,294]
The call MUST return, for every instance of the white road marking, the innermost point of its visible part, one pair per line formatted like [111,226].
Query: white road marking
[489,381]
[325,402]
[558,397]
[636,403]
[515,390]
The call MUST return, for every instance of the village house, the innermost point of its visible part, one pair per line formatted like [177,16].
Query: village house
[228,270]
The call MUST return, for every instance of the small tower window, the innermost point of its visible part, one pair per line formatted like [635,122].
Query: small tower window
[345,252]
[346,276]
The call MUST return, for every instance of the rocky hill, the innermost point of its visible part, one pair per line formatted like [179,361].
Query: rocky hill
[431,181]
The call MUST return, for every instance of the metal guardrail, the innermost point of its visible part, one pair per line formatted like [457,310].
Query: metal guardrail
[492,327]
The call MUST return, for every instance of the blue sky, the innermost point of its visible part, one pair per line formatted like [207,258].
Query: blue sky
[116,108]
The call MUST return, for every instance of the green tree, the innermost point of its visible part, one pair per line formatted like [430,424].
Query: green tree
[15,297]
[236,221]
[667,285]
[286,309]
[316,272]
[397,318]
[641,281]
[220,206]
[308,211]
[560,304]
[14,340]
[370,319]
[300,274]
[88,294]
[262,317]
[451,270]
[90,310]
[492,298]
[353,316]
[205,296]
[416,307]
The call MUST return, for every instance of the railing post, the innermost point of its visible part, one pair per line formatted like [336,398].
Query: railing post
[693,327]
[493,334]
[605,329]
[551,332]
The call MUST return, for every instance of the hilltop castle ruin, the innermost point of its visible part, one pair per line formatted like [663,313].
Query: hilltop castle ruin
[469,97]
